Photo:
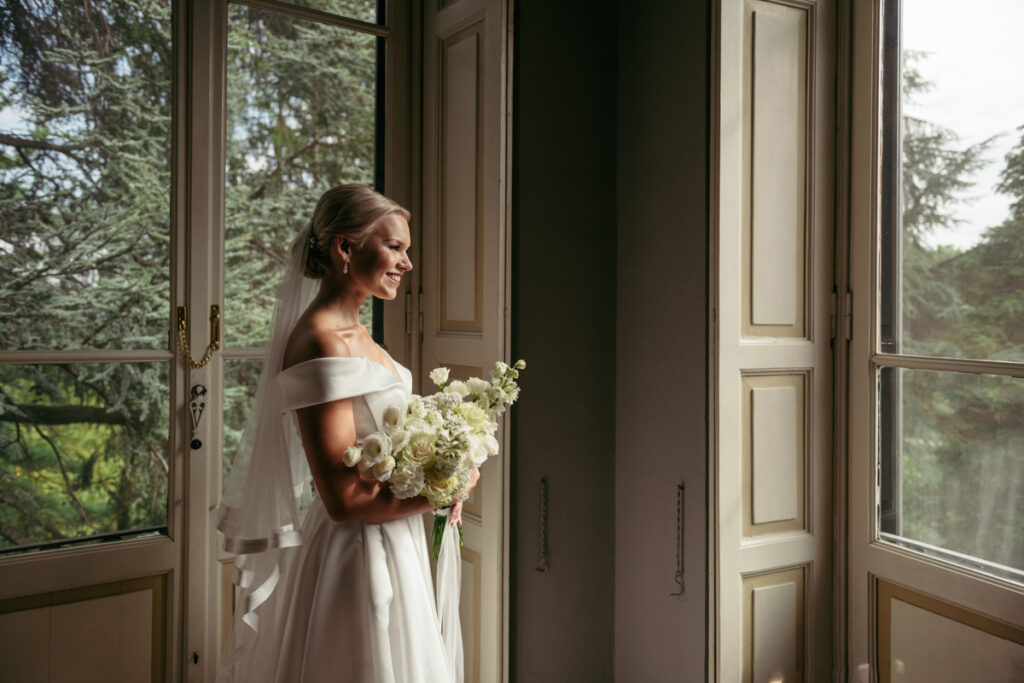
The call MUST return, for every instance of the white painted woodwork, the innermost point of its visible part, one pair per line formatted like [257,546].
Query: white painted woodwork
[463,272]
[872,563]
[469,608]
[25,646]
[778,179]
[775,454]
[771,380]
[775,646]
[926,646]
[34,574]
[101,640]
[460,222]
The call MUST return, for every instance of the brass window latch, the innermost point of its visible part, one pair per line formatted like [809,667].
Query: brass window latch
[214,336]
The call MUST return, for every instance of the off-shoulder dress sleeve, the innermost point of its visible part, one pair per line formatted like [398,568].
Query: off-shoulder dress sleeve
[322,380]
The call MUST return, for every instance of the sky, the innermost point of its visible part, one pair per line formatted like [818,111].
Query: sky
[976,65]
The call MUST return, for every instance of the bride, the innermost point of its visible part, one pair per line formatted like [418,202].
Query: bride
[333,582]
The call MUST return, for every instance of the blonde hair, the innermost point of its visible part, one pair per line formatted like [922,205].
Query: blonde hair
[347,211]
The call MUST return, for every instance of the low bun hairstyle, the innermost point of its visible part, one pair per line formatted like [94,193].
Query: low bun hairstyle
[343,211]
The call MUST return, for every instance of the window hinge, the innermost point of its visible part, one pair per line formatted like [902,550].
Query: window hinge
[419,320]
[833,315]
[408,312]
[848,316]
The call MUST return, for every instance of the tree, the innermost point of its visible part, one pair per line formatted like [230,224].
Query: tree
[962,468]
[85,231]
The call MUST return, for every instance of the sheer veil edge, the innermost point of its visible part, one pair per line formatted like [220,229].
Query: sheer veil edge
[268,486]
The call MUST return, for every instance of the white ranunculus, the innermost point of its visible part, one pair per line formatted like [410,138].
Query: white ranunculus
[398,440]
[382,470]
[365,470]
[419,425]
[477,387]
[406,481]
[416,407]
[352,456]
[376,447]
[439,376]
[392,418]
[477,451]
[499,369]
[457,387]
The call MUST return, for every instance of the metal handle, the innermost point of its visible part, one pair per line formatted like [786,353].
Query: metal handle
[542,565]
[680,518]
[197,405]
[214,336]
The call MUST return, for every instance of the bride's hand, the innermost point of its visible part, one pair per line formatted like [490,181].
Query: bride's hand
[455,514]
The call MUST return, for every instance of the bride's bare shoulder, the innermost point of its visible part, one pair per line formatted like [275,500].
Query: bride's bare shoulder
[307,342]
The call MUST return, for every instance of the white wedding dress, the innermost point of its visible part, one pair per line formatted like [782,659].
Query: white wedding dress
[356,601]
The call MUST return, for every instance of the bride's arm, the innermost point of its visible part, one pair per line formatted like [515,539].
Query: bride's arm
[328,429]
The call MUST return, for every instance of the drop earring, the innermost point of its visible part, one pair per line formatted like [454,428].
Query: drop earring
[344,271]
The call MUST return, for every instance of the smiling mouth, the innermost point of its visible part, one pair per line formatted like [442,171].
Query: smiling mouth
[394,277]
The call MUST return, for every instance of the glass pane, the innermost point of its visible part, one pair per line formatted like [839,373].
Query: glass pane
[85,141]
[363,10]
[83,450]
[301,117]
[955,240]
[952,460]
[240,379]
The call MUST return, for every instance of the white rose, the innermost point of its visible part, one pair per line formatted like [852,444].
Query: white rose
[352,456]
[393,418]
[439,376]
[421,448]
[376,447]
[491,444]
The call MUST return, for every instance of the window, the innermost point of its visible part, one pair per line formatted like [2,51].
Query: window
[302,115]
[950,358]
[85,138]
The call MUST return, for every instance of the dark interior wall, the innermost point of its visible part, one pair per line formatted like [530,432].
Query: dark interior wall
[661,351]
[609,258]
[563,324]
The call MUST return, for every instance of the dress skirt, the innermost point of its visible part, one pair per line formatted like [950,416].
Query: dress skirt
[359,605]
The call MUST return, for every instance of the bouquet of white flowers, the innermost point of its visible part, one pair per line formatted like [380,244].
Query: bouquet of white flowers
[431,447]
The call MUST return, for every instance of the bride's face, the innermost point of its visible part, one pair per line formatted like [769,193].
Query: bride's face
[380,262]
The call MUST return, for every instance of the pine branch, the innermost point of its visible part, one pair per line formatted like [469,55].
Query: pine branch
[28,143]
[258,244]
[64,473]
[12,535]
[63,415]
[49,528]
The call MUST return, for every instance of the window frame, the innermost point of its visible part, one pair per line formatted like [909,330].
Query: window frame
[868,558]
